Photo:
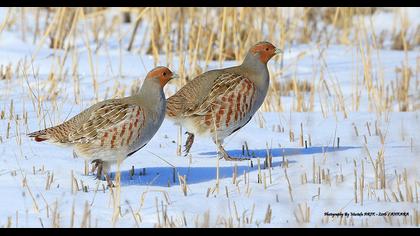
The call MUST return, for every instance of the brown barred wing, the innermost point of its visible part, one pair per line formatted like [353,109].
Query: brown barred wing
[192,95]
[230,99]
[112,125]
[222,85]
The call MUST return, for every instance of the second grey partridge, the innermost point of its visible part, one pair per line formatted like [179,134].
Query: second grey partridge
[220,102]
[111,130]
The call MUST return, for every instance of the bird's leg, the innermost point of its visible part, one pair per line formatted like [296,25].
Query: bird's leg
[106,169]
[227,157]
[99,171]
[94,166]
[75,155]
[98,166]
[102,167]
[188,143]
[109,181]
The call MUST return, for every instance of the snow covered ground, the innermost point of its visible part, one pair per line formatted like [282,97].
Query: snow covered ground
[342,170]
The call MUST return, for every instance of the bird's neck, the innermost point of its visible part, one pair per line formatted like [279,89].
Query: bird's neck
[151,95]
[257,70]
[252,62]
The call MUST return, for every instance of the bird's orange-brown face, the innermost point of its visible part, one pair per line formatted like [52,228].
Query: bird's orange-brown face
[265,51]
[163,74]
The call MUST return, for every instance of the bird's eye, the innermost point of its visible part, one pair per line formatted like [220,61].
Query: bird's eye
[164,73]
[266,49]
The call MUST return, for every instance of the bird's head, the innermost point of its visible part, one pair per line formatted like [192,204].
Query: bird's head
[264,51]
[162,74]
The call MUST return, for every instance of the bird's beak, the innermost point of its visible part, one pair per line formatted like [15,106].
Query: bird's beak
[174,76]
[278,51]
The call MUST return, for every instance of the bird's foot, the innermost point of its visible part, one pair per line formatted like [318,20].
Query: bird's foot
[98,166]
[229,158]
[188,143]
[109,182]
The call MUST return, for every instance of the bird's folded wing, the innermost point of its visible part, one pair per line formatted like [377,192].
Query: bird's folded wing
[222,85]
[105,117]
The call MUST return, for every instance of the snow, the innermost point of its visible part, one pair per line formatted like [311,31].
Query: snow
[26,166]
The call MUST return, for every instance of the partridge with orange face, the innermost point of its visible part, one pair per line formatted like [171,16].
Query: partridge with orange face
[220,102]
[112,130]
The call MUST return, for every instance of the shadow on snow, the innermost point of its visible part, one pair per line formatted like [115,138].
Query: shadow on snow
[164,176]
[278,152]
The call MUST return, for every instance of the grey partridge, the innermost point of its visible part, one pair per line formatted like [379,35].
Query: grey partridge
[110,131]
[219,102]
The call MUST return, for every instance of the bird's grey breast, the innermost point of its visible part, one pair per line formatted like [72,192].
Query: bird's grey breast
[262,82]
[154,117]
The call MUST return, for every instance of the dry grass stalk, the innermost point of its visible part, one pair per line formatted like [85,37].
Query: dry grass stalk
[183,183]
[259,177]
[179,142]
[355,182]
[304,214]
[234,173]
[268,215]
[301,135]
[72,214]
[86,219]
[289,186]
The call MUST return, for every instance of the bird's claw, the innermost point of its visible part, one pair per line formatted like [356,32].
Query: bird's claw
[227,157]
